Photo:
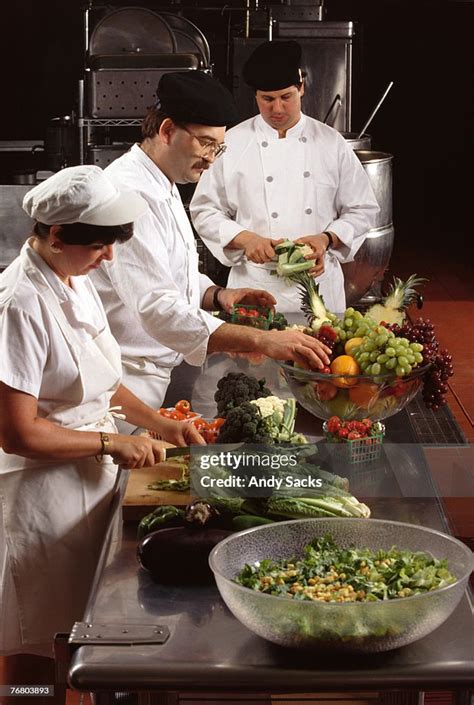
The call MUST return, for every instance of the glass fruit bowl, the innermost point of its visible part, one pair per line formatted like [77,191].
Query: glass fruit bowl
[341,626]
[352,396]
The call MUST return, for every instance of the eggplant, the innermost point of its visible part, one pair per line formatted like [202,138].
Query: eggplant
[179,556]
[200,514]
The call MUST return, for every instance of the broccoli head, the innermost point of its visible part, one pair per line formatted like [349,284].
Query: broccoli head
[236,388]
[245,424]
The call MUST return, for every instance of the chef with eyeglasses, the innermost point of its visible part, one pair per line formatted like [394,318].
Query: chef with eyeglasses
[284,175]
[158,303]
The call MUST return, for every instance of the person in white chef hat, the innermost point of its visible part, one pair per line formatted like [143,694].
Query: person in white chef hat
[60,372]
[283,175]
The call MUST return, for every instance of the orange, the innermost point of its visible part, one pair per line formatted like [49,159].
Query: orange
[362,394]
[344,365]
[325,391]
[351,344]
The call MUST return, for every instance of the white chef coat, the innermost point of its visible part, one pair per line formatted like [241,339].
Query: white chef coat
[152,290]
[300,185]
[55,344]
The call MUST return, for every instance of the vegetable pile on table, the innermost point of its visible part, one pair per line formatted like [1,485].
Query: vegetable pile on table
[252,414]
[209,430]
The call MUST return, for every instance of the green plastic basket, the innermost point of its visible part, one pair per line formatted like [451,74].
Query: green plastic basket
[262,321]
[360,450]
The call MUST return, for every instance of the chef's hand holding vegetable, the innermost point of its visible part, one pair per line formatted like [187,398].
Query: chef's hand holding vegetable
[227,298]
[319,245]
[256,248]
[59,381]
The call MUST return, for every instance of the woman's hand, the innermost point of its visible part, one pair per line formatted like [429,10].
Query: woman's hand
[133,452]
[180,433]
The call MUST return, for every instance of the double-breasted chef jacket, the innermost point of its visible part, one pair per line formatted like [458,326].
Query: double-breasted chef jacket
[303,184]
[152,290]
[55,344]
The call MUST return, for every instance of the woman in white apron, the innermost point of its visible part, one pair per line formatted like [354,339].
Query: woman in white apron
[60,373]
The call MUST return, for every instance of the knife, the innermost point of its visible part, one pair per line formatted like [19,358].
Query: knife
[209,449]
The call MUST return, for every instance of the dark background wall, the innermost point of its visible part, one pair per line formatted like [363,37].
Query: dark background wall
[424,46]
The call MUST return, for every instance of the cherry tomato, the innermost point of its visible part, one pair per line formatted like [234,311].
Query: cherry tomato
[177,416]
[210,435]
[165,412]
[200,424]
[217,423]
[183,406]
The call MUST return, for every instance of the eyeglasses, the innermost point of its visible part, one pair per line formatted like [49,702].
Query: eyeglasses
[208,146]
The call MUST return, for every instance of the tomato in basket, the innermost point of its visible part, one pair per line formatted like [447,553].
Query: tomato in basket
[183,406]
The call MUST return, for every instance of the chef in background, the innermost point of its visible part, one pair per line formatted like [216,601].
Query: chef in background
[157,302]
[283,175]
[60,373]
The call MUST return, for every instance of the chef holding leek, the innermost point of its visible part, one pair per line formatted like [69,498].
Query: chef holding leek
[284,175]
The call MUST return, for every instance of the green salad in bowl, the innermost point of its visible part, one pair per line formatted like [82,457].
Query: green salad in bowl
[341,584]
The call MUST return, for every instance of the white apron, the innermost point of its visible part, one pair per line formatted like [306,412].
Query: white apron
[289,186]
[54,514]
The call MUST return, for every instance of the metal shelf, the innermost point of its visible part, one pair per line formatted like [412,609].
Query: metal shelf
[109,122]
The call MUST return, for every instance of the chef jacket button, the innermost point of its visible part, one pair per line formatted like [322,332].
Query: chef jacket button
[306,174]
[274,215]
[269,179]
[264,144]
[303,139]
[308,211]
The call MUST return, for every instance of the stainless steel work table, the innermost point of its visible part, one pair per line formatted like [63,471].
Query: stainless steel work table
[208,650]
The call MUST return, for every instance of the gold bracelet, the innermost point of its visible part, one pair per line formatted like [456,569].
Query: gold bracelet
[105,446]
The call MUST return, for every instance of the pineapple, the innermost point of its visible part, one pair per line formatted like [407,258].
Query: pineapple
[312,303]
[400,296]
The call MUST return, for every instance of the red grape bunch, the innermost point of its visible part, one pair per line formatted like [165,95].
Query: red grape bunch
[435,380]
[327,336]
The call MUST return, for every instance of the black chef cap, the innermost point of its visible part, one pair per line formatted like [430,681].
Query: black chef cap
[193,96]
[273,66]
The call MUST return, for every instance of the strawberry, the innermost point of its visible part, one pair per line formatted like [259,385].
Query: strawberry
[343,432]
[334,424]
[353,436]
[367,423]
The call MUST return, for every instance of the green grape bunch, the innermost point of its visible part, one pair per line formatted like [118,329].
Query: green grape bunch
[353,325]
[382,352]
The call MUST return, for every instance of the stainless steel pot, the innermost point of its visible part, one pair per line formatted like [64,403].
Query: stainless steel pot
[28,176]
[373,257]
[369,264]
[356,142]
[378,167]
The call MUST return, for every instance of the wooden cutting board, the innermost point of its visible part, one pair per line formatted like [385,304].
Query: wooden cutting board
[139,500]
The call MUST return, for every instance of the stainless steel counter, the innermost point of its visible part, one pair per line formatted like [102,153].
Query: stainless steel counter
[209,650]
